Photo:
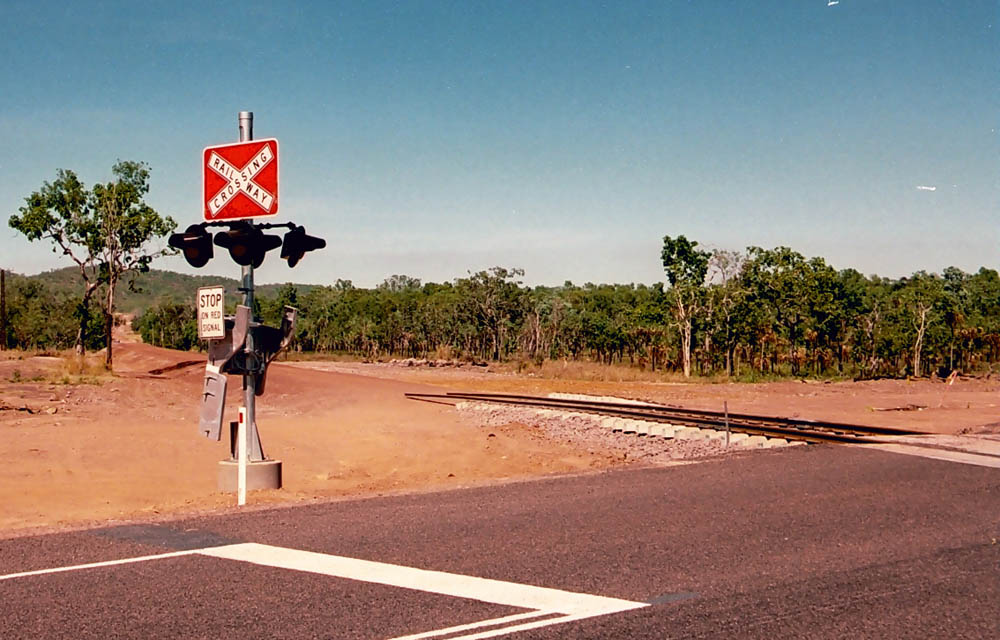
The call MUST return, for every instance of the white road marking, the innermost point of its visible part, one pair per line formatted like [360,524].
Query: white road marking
[517,617]
[493,633]
[521,627]
[450,584]
[564,606]
[962,457]
[96,565]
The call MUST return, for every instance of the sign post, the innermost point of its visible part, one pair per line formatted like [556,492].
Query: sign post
[240,184]
[249,382]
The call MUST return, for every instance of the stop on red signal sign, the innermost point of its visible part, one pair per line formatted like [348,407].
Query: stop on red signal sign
[241,180]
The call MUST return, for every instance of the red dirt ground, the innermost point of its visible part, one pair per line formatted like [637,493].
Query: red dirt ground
[127,448]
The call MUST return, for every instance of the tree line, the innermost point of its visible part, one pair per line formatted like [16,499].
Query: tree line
[768,312]
[761,312]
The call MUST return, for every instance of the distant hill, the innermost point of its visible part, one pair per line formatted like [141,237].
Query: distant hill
[153,287]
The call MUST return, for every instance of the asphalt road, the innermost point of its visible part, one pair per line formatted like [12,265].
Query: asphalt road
[812,542]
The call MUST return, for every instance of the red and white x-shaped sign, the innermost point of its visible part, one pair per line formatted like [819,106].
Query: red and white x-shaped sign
[241,180]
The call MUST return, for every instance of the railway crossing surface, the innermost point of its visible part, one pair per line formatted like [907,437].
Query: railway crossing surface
[820,541]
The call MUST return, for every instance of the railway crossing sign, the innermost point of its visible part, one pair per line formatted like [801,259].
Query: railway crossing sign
[241,180]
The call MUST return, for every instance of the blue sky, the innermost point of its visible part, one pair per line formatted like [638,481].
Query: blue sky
[566,138]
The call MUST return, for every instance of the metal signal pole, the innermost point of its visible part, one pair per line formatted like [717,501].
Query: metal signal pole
[248,447]
[242,346]
[254,450]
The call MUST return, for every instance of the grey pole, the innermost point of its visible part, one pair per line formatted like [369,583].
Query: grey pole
[252,470]
[246,126]
[254,451]
[725,406]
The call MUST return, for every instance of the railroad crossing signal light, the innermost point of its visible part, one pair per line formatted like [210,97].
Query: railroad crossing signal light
[247,244]
[297,243]
[195,243]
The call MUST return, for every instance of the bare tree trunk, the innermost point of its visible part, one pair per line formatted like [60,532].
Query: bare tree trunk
[919,342]
[109,322]
[684,322]
[84,317]
[686,346]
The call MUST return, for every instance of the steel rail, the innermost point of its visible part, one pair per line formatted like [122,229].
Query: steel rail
[775,427]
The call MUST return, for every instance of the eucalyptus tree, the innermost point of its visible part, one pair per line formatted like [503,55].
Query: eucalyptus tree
[853,304]
[541,323]
[956,309]
[402,298]
[648,323]
[981,340]
[686,267]
[107,231]
[725,291]
[785,283]
[128,228]
[918,301]
[168,324]
[494,302]
[38,318]
[60,212]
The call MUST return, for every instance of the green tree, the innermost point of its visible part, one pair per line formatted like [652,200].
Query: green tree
[724,295]
[60,212]
[272,309]
[128,227]
[169,324]
[921,299]
[493,303]
[686,267]
[38,318]
[783,282]
[106,231]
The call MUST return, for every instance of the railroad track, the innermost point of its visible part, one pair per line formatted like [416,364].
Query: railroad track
[768,426]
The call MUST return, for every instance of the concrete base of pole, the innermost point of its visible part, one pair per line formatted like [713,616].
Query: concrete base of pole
[260,475]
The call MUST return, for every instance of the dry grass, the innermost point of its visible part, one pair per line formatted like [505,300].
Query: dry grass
[316,356]
[53,367]
[588,371]
[91,365]
[24,354]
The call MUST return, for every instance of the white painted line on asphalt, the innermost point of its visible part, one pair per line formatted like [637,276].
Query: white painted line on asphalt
[517,617]
[963,457]
[524,627]
[450,584]
[96,565]
[562,606]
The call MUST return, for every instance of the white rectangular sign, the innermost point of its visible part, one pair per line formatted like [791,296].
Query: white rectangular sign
[211,309]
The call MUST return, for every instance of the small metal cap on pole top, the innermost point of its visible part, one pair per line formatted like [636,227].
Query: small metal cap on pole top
[246,126]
